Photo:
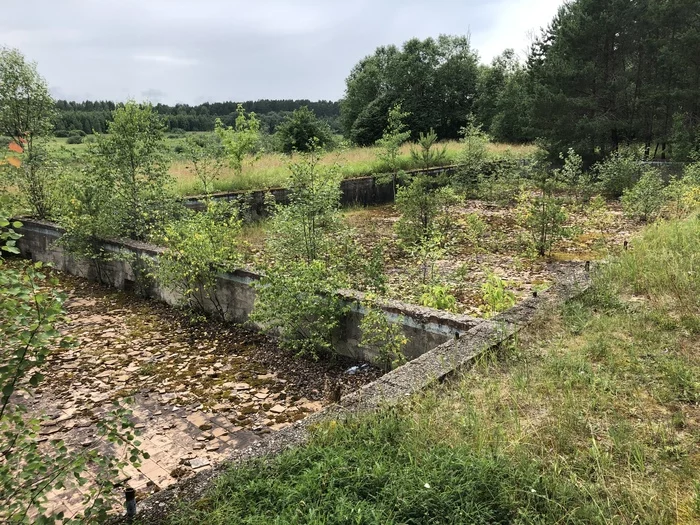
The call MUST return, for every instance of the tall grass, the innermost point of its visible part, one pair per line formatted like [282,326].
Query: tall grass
[271,170]
[590,417]
[663,264]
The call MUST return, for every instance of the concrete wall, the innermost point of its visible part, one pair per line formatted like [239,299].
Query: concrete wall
[425,328]
[361,190]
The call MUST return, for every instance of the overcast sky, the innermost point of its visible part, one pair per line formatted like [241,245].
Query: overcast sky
[213,50]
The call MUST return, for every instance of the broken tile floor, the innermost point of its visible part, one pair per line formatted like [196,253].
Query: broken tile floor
[199,390]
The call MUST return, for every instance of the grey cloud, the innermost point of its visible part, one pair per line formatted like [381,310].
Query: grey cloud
[190,51]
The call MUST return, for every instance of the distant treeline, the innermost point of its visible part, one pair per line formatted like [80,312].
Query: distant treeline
[94,115]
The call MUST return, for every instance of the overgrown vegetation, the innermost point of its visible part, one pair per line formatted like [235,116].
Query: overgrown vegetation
[32,467]
[297,296]
[589,417]
[26,115]
[199,247]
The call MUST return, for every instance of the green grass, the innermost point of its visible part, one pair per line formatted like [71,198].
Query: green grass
[592,416]
[270,170]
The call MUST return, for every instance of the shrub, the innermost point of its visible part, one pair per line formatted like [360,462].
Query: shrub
[76,133]
[499,181]
[572,174]
[438,296]
[297,297]
[178,132]
[541,212]
[207,159]
[682,194]
[299,301]
[379,334]
[644,200]
[241,140]
[620,171]
[496,295]
[74,139]
[27,111]
[302,131]
[130,164]
[424,211]
[472,157]
[61,133]
[199,247]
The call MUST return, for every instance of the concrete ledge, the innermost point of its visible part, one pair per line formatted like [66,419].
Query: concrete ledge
[417,375]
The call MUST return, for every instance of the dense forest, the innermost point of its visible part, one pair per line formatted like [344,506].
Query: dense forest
[88,116]
[604,73]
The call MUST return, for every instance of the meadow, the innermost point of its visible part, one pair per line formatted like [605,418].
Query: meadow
[270,169]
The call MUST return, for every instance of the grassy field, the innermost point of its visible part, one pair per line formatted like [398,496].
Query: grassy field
[591,417]
[271,169]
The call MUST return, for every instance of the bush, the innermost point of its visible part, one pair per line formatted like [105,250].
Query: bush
[179,148]
[644,200]
[472,158]
[379,334]
[496,295]
[61,133]
[302,131]
[297,297]
[619,172]
[424,211]
[682,195]
[76,133]
[199,247]
[299,301]
[541,212]
[74,139]
[178,132]
[438,296]
[499,181]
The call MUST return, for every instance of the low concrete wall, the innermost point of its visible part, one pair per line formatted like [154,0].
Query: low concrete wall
[394,387]
[358,191]
[424,328]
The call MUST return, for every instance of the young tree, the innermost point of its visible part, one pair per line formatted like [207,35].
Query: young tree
[26,116]
[395,134]
[424,212]
[306,229]
[473,155]
[207,158]
[302,131]
[579,181]
[541,212]
[131,165]
[644,200]
[424,155]
[240,140]
[297,296]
